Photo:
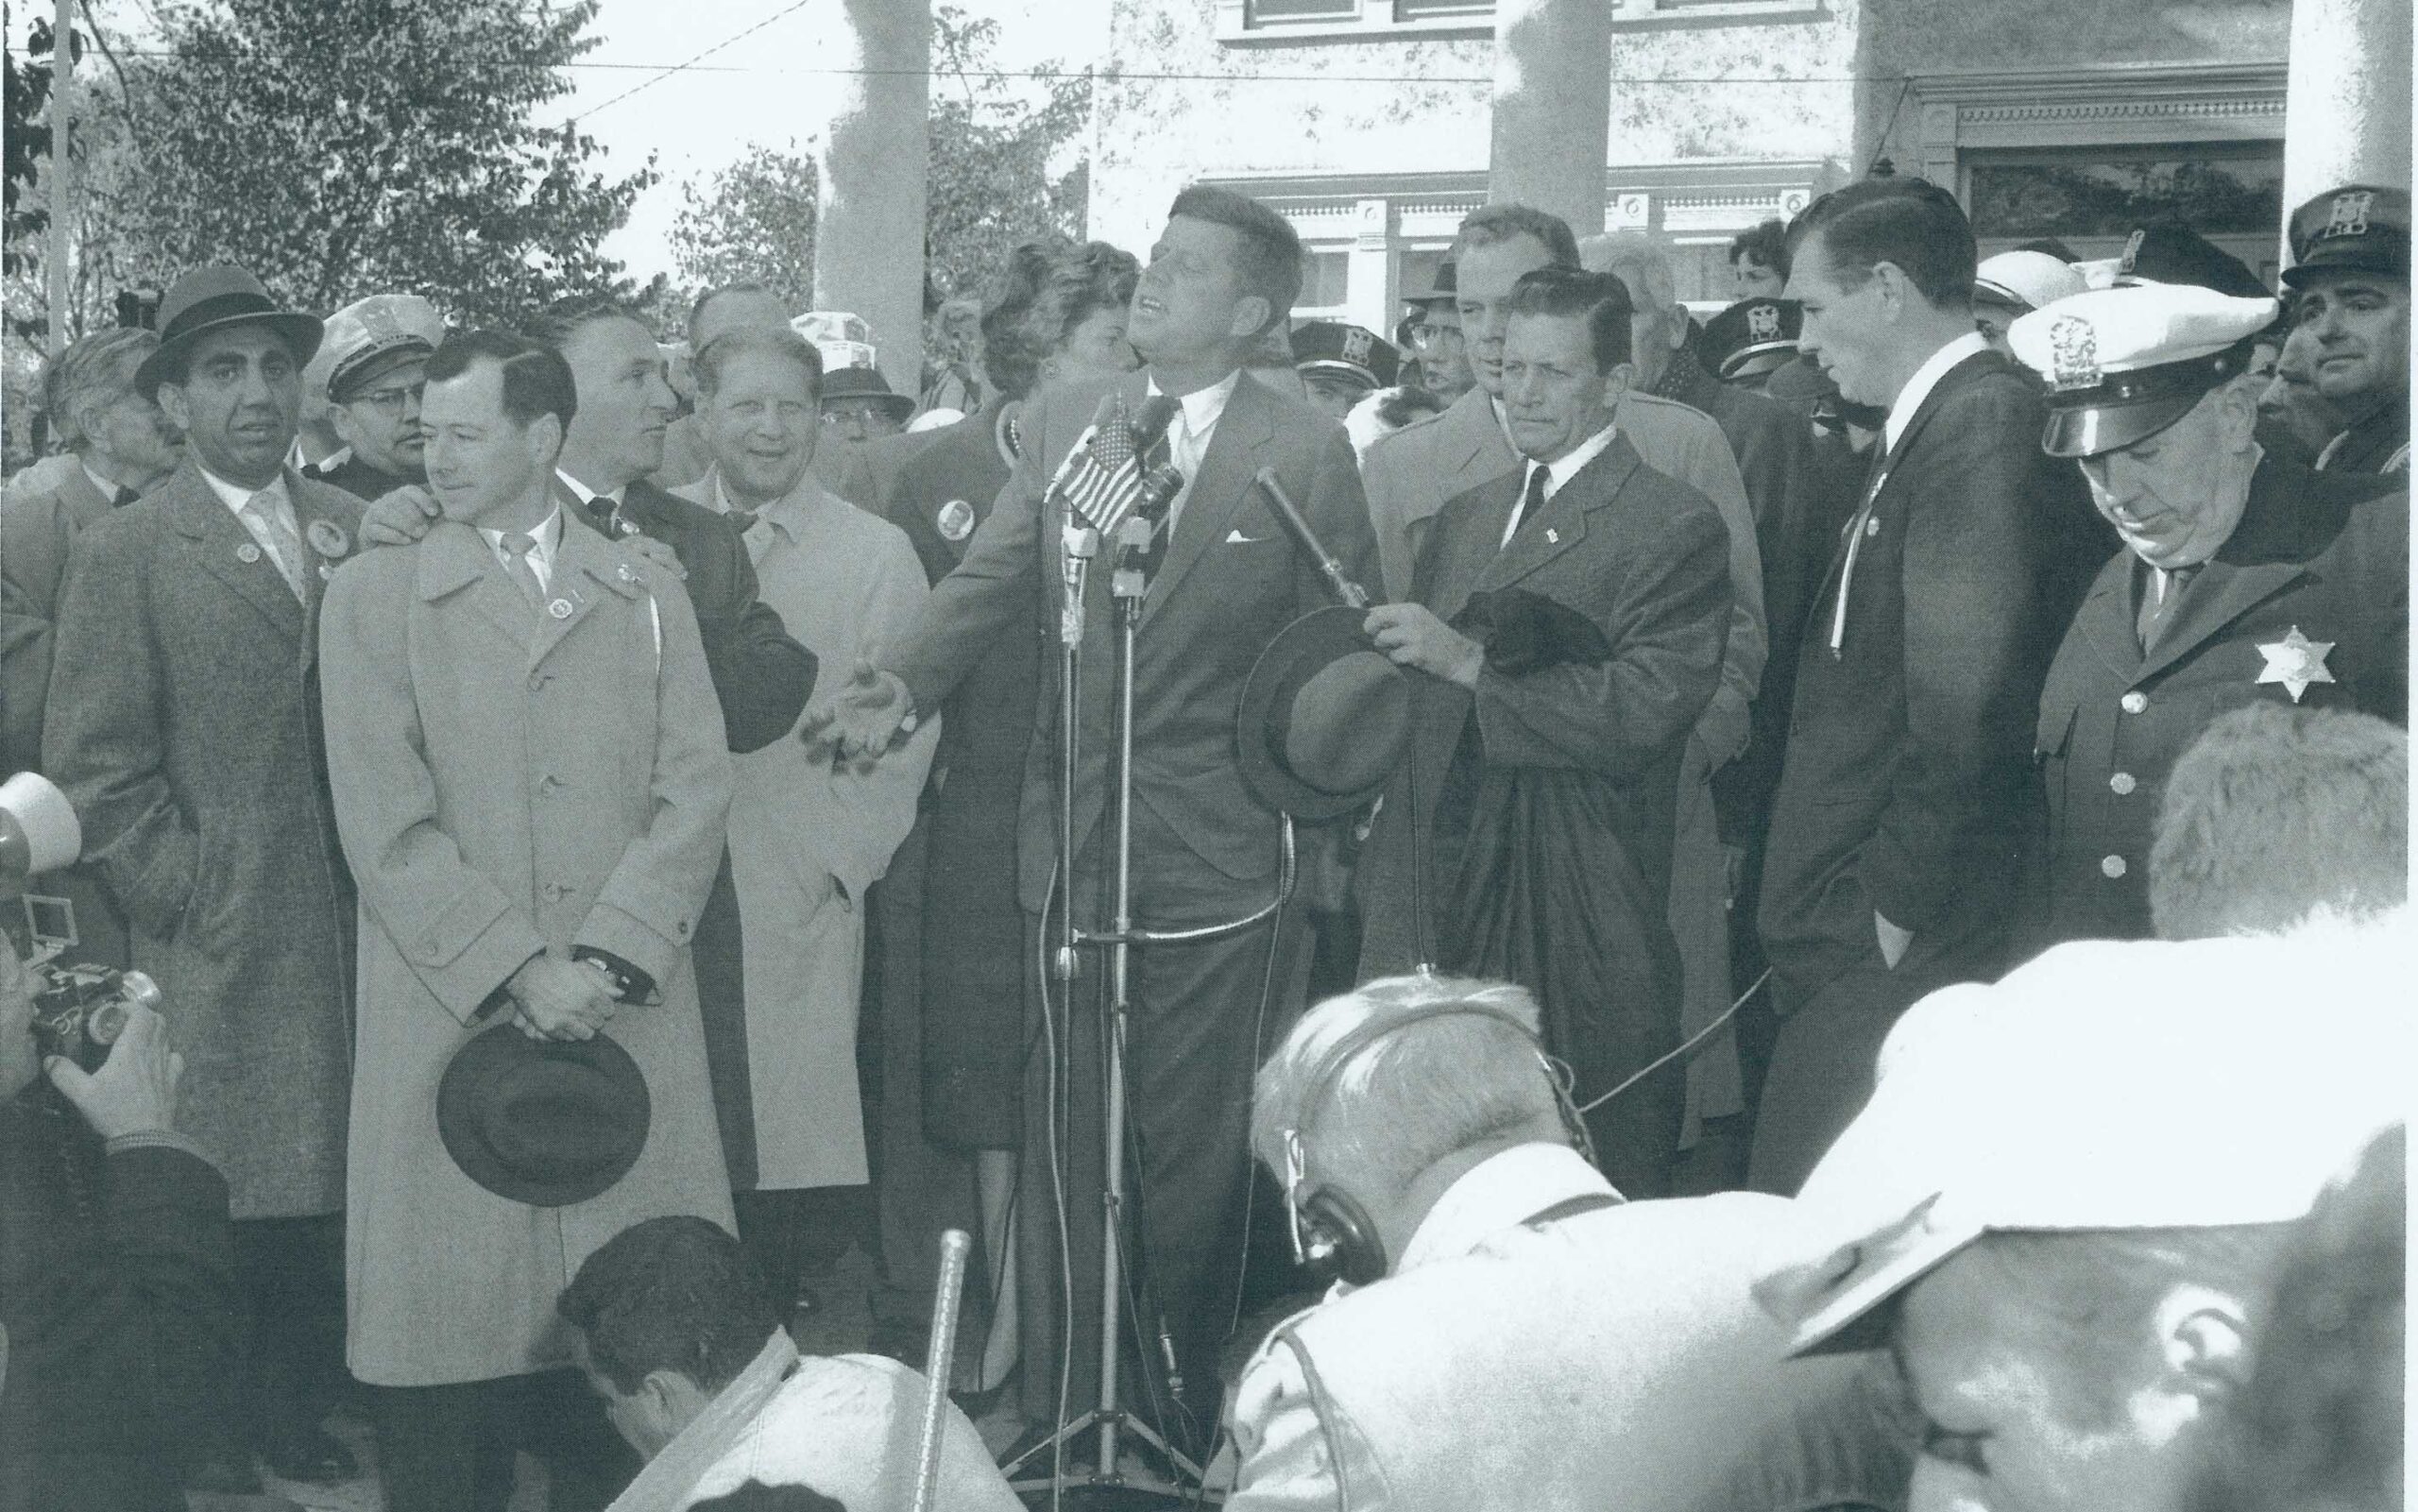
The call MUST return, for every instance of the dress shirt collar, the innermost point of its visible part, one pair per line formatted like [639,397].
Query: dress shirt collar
[1557,473]
[1202,406]
[788,513]
[668,1478]
[108,489]
[548,535]
[586,495]
[1927,376]
[1500,1192]
[233,495]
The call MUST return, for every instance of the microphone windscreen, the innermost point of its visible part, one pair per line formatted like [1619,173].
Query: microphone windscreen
[1150,425]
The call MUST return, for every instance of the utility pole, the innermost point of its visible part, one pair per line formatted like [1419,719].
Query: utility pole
[62,172]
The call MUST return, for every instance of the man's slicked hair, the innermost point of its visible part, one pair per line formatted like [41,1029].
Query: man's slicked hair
[670,1294]
[1600,299]
[536,381]
[1271,251]
[565,318]
[1910,222]
[697,310]
[98,369]
[715,357]
[1491,224]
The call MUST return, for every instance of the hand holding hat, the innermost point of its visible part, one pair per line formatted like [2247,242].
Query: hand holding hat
[560,999]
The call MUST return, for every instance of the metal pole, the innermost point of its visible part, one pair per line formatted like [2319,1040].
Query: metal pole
[62,173]
[1121,965]
[938,1359]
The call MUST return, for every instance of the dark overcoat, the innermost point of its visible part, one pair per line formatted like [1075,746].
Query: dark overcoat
[2327,555]
[184,725]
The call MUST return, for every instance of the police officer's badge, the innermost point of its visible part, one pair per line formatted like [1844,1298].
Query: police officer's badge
[2349,215]
[2295,662]
[327,538]
[956,521]
[1763,322]
[2073,348]
[2132,256]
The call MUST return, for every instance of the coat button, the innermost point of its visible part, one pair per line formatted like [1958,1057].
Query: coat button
[2111,867]
[548,783]
[2122,784]
[2134,703]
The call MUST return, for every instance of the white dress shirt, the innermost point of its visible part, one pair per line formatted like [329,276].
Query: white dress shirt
[549,538]
[1556,473]
[1189,433]
[236,497]
[1927,376]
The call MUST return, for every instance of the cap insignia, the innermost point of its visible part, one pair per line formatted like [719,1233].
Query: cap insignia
[2349,216]
[2073,347]
[1763,322]
[1356,346]
[2132,249]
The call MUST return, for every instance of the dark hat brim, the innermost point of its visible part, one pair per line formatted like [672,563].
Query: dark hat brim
[2367,255]
[1754,362]
[1336,367]
[897,404]
[372,360]
[301,334]
[474,1076]
[1318,638]
[2086,430]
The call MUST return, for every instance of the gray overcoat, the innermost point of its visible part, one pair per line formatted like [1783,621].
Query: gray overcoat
[184,725]
[509,781]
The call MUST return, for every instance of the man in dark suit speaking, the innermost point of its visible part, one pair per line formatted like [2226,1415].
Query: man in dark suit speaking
[1908,792]
[1571,619]
[1224,272]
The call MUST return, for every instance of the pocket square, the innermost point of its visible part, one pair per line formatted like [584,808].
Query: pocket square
[1236,538]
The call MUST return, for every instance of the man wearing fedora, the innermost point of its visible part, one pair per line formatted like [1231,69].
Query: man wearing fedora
[1567,624]
[531,780]
[190,750]
[1221,277]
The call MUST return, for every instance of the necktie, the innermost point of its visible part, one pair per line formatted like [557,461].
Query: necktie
[274,528]
[524,573]
[2157,607]
[1531,499]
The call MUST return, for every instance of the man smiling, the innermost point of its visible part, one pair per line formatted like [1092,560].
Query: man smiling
[2244,578]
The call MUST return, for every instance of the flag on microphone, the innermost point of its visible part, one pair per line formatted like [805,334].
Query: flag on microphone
[1109,476]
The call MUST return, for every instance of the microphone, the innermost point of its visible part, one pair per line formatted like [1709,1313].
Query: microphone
[1150,425]
[1350,594]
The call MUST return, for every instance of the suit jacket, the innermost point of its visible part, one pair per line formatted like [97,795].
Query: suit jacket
[190,750]
[508,782]
[1908,787]
[356,477]
[1414,472]
[2324,553]
[1229,580]
[1527,1363]
[2376,442]
[761,675]
[38,522]
[1645,559]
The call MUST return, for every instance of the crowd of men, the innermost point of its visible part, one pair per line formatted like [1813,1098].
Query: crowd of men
[1843,862]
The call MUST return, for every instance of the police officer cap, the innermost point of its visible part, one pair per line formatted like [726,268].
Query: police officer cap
[2123,365]
[2358,225]
[2105,1087]
[2026,281]
[2172,252]
[366,336]
[1752,337]
[1353,351]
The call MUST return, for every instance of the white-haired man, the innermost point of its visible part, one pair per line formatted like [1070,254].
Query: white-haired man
[2071,1288]
[1511,1333]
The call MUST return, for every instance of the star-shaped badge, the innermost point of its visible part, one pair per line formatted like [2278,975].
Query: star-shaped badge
[2296,661]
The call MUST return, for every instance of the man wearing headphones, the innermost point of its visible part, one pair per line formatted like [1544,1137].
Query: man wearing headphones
[1508,1331]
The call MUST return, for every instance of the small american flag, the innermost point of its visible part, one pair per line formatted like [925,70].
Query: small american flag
[1110,478]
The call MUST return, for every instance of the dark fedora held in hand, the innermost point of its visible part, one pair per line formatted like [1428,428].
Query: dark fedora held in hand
[1324,718]
[208,299]
[544,1122]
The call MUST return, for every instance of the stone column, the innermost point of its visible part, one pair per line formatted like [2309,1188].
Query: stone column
[2347,96]
[1553,107]
[869,225]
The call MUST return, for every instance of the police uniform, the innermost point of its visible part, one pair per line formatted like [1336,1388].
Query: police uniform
[365,338]
[2306,601]
[1349,351]
[2365,227]
[1748,342]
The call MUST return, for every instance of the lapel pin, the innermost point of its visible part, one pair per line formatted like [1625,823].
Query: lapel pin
[560,609]
[2296,661]
[327,538]
[326,571]
[1553,537]
[956,521]
[248,553]
[1872,525]
[627,575]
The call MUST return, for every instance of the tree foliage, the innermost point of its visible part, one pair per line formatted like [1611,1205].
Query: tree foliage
[25,138]
[375,146]
[751,223]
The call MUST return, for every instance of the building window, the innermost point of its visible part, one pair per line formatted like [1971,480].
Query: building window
[1434,10]
[2091,197]
[1286,13]
[1303,21]
[1327,281]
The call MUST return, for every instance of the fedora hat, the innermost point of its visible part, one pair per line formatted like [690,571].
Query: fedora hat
[851,383]
[207,298]
[544,1122]
[1324,719]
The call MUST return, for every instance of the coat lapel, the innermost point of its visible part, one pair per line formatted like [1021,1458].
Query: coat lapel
[1473,551]
[2105,620]
[1562,524]
[586,572]
[1476,451]
[1234,448]
[2223,593]
[455,558]
[220,541]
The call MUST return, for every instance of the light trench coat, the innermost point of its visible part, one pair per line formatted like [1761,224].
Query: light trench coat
[509,780]
[805,840]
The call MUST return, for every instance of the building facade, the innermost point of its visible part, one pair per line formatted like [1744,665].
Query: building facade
[1368,122]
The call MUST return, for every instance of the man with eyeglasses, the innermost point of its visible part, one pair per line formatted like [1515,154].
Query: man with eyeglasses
[1435,332]
[370,372]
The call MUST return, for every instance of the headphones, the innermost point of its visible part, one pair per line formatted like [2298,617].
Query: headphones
[1328,1228]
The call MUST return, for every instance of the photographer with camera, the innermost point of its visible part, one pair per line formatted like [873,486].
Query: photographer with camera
[116,1271]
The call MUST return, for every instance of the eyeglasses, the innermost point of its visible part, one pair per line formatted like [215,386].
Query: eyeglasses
[1427,337]
[390,401]
[870,414]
